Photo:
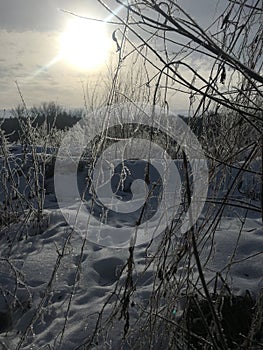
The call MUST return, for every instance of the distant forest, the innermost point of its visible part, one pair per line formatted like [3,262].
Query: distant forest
[49,114]
[54,116]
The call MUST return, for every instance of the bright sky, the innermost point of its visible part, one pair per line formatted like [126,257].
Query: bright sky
[51,55]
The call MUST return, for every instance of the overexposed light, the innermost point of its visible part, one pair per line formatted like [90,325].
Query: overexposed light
[85,44]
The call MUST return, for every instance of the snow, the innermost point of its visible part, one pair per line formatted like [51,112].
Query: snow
[65,277]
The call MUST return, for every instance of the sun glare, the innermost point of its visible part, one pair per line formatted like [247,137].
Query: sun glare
[85,44]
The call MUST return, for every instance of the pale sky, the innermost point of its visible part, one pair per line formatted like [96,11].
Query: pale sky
[30,36]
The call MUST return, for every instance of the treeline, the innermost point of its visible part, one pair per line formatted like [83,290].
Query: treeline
[221,134]
[48,115]
[52,116]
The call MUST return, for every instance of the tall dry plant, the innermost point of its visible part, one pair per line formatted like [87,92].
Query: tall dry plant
[217,69]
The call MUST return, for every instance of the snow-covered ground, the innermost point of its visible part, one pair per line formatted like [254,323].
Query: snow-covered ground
[54,282]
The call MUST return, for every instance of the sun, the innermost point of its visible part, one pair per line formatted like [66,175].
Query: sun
[85,44]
